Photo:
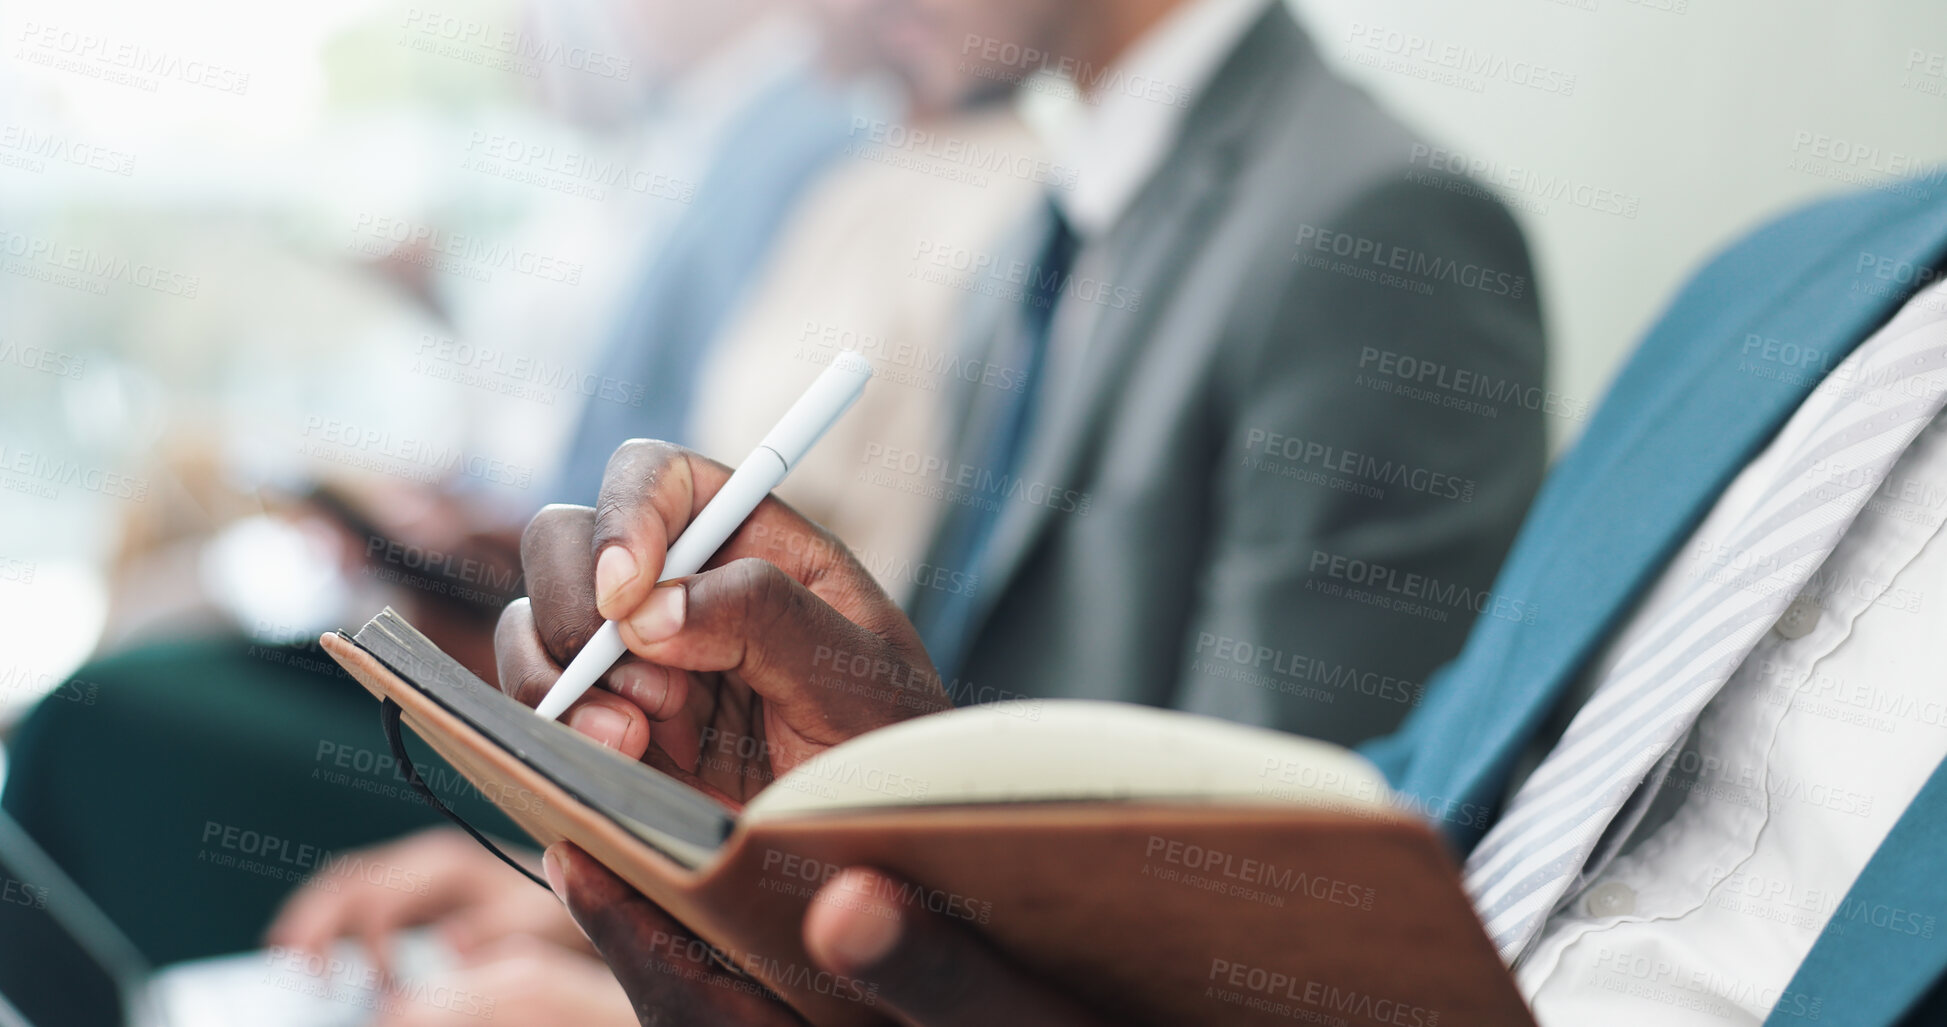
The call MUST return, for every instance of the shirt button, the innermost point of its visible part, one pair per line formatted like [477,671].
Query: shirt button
[1799,618]
[1610,898]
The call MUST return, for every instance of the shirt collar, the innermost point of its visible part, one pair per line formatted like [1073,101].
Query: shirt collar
[1114,128]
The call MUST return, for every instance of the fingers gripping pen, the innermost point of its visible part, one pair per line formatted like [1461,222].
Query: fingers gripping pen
[836,389]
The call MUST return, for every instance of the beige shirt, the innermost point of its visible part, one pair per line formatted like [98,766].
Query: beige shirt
[872,264]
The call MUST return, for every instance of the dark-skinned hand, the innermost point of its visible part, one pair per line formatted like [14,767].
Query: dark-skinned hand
[906,964]
[782,647]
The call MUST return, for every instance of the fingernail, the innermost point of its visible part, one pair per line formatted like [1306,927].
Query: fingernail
[661,614]
[646,686]
[614,569]
[555,872]
[600,723]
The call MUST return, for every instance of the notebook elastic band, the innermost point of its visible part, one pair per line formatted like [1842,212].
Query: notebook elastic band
[389,719]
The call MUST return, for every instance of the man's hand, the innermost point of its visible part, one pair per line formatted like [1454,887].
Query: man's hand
[781,647]
[900,961]
[436,876]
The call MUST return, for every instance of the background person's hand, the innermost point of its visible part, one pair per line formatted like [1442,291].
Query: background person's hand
[781,647]
[437,876]
[899,960]
[518,981]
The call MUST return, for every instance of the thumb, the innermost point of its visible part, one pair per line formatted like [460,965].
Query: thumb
[933,972]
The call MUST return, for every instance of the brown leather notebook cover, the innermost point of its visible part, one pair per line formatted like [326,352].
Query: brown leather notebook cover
[1155,912]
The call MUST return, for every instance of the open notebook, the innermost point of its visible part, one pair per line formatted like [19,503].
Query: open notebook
[1167,868]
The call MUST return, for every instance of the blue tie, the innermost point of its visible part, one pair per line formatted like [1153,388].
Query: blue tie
[996,440]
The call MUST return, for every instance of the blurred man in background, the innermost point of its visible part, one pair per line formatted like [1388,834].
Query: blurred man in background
[219,735]
[1181,416]
[785,123]
[758,121]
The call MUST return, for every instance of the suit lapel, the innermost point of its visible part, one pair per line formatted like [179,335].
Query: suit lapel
[1673,434]
[1071,420]
[1145,252]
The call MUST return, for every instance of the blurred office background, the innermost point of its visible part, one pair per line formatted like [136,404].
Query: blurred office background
[228,235]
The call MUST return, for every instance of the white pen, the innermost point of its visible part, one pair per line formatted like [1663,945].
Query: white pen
[836,389]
